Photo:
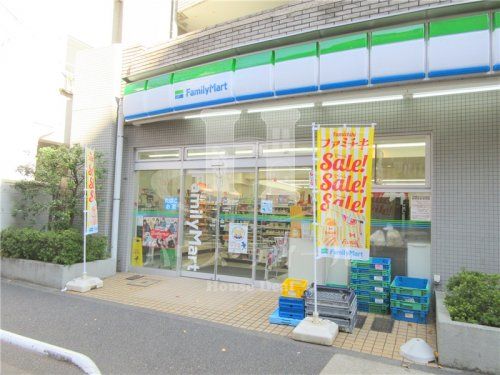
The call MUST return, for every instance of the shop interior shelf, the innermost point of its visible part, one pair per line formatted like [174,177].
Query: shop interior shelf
[410,286]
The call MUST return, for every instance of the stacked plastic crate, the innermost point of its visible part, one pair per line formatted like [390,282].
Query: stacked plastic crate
[335,304]
[291,304]
[371,280]
[410,299]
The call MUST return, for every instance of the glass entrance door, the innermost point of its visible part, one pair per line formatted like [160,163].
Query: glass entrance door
[218,224]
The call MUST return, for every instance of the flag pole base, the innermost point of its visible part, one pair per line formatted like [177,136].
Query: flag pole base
[84,284]
[316,331]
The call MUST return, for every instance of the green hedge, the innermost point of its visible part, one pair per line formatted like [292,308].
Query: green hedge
[474,297]
[60,247]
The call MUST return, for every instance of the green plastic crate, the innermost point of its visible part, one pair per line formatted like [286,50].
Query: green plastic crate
[370,288]
[415,306]
[373,307]
[371,271]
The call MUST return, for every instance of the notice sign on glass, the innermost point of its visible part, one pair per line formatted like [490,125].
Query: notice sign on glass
[343,185]
[238,238]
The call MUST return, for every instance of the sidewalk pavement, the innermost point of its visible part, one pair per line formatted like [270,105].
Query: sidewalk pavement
[244,306]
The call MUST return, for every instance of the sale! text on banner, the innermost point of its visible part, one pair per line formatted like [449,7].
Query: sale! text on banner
[343,188]
[90,202]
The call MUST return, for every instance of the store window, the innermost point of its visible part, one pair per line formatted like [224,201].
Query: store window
[220,152]
[280,149]
[402,161]
[284,223]
[159,155]
[401,230]
[156,219]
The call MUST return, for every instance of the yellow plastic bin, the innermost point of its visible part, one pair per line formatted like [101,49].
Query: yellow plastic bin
[294,288]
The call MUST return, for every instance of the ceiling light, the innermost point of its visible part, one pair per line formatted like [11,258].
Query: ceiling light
[398,145]
[214,114]
[464,90]
[208,153]
[286,150]
[363,100]
[281,108]
[243,152]
[176,155]
[283,169]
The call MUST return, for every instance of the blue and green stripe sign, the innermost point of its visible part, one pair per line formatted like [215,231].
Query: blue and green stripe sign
[343,62]
[289,61]
[496,41]
[398,54]
[253,78]
[458,45]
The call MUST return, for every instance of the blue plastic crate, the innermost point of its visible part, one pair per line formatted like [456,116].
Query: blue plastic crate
[411,316]
[293,314]
[410,286]
[275,318]
[291,303]
[372,263]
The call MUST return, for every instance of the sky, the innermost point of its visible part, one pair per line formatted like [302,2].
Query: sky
[88,20]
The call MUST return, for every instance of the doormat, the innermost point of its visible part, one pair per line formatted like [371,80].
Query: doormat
[143,282]
[384,325]
[360,321]
[134,277]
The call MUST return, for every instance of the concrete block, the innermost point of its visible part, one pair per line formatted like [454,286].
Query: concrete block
[466,346]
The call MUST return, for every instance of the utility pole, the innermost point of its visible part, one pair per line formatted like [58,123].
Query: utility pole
[117,21]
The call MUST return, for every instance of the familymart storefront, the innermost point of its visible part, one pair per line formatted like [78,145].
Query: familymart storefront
[225,193]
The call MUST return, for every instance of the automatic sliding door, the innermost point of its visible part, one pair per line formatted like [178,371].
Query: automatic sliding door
[237,192]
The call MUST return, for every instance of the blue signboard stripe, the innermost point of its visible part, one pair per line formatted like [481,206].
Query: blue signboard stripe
[297,90]
[337,85]
[398,77]
[204,104]
[259,95]
[452,72]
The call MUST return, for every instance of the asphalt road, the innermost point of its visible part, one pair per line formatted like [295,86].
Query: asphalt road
[127,340]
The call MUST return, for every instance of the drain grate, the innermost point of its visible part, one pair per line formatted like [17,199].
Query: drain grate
[360,321]
[384,325]
[134,277]
[143,282]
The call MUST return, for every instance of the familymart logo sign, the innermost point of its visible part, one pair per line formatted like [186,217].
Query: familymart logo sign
[202,90]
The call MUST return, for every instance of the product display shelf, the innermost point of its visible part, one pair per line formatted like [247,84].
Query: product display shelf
[410,299]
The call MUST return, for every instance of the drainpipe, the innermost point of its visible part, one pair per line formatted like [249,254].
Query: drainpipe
[117,182]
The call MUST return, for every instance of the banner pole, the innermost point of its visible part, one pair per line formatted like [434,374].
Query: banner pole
[85,216]
[314,127]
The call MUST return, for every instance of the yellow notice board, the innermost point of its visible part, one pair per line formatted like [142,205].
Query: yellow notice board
[343,191]
[137,252]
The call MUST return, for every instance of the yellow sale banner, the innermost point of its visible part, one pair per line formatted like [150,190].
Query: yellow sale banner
[90,197]
[343,191]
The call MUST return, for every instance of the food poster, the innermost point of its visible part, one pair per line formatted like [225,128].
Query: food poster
[238,238]
[343,188]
